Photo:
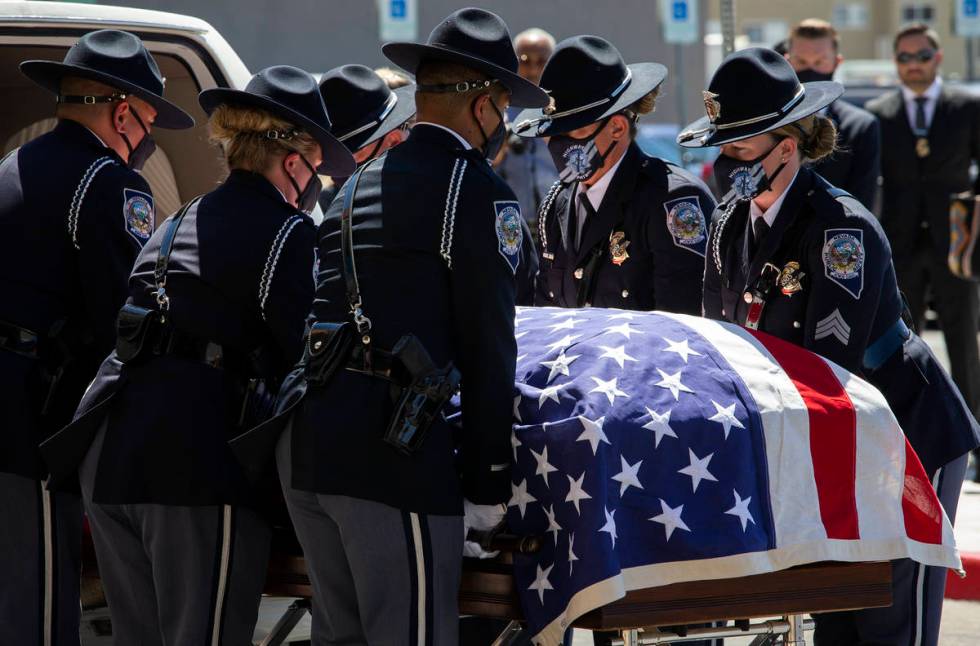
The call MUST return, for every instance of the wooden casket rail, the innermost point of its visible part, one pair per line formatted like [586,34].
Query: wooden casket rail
[487,590]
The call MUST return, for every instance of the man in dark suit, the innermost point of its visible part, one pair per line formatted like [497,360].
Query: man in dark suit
[813,49]
[930,134]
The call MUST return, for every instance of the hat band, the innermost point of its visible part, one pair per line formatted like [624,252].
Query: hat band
[385,111]
[800,93]
[529,123]
[90,99]
[456,88]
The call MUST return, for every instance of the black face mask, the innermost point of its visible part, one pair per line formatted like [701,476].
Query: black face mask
[496,139]
[577,159]
[308,197]
[744,179]
[143,150]
[811,76]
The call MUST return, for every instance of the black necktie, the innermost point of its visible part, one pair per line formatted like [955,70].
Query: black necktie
[759,231]
[589,216]
[921,128]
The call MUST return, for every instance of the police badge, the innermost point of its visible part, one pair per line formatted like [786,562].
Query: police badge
[510,235]
[617,247]
[138,214]
[790,278]
[922,147]
[711,105]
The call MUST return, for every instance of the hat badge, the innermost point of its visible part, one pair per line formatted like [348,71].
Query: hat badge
[711,105]
[550,109]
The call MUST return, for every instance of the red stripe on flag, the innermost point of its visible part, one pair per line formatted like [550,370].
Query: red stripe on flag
[920,506]
[833,433]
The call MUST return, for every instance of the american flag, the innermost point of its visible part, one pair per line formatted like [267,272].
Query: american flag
[652,448]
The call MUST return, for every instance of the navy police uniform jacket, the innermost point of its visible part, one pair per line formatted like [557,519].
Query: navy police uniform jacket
[438,245]
[836,295]
[72,219]
[240,276]
[645,244]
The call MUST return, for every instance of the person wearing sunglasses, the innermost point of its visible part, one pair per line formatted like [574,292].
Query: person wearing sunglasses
[930,135]
[619,228]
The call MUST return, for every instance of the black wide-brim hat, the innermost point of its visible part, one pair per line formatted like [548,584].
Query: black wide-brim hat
[477,39]
[588,81]
[118,59]
[755,91]
[291,94]
[362,108]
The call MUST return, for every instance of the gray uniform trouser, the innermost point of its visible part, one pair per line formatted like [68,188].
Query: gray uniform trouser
[40,546]
[917,592]
[175,575]
[380,575]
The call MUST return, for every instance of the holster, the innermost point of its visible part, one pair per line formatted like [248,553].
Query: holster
[328,349]
[135,328]
[425,390]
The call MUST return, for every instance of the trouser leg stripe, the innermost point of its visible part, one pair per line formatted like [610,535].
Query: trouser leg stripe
[47,564]
[413,579]
[223,562]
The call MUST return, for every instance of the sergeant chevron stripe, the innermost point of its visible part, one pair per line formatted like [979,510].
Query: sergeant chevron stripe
[834,325]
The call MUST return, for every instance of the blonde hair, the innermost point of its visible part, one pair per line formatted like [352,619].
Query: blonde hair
[644,105]
[244,136]
[392,78]
[815,135]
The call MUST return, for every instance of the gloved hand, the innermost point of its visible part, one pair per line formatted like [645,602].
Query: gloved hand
[481,518]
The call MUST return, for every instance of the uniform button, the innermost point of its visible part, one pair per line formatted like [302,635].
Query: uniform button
[747,297]
[796,324]
[578,273]
[626,293]
[551,294]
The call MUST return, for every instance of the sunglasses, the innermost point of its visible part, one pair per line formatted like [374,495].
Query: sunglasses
[922,56]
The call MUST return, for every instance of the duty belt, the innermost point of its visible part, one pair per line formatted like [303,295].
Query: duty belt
[18,340]
[886,345]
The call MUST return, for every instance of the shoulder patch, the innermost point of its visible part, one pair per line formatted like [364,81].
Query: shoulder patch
[843,259]
[685,222]
[138,214]
[510,233]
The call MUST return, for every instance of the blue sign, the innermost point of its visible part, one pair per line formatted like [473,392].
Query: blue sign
[968,18]
[680,21]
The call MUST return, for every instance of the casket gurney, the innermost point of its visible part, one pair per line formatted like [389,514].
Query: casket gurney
[487,590]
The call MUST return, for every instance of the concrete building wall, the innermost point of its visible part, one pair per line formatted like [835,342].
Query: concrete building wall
[320,34]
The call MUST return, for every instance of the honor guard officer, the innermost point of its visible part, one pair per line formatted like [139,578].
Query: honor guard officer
[367,116]
[793,256]
[215,318]
[415,294]
[618,228]
[73,215]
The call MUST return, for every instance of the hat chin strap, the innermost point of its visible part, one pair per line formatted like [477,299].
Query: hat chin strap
[90,99]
